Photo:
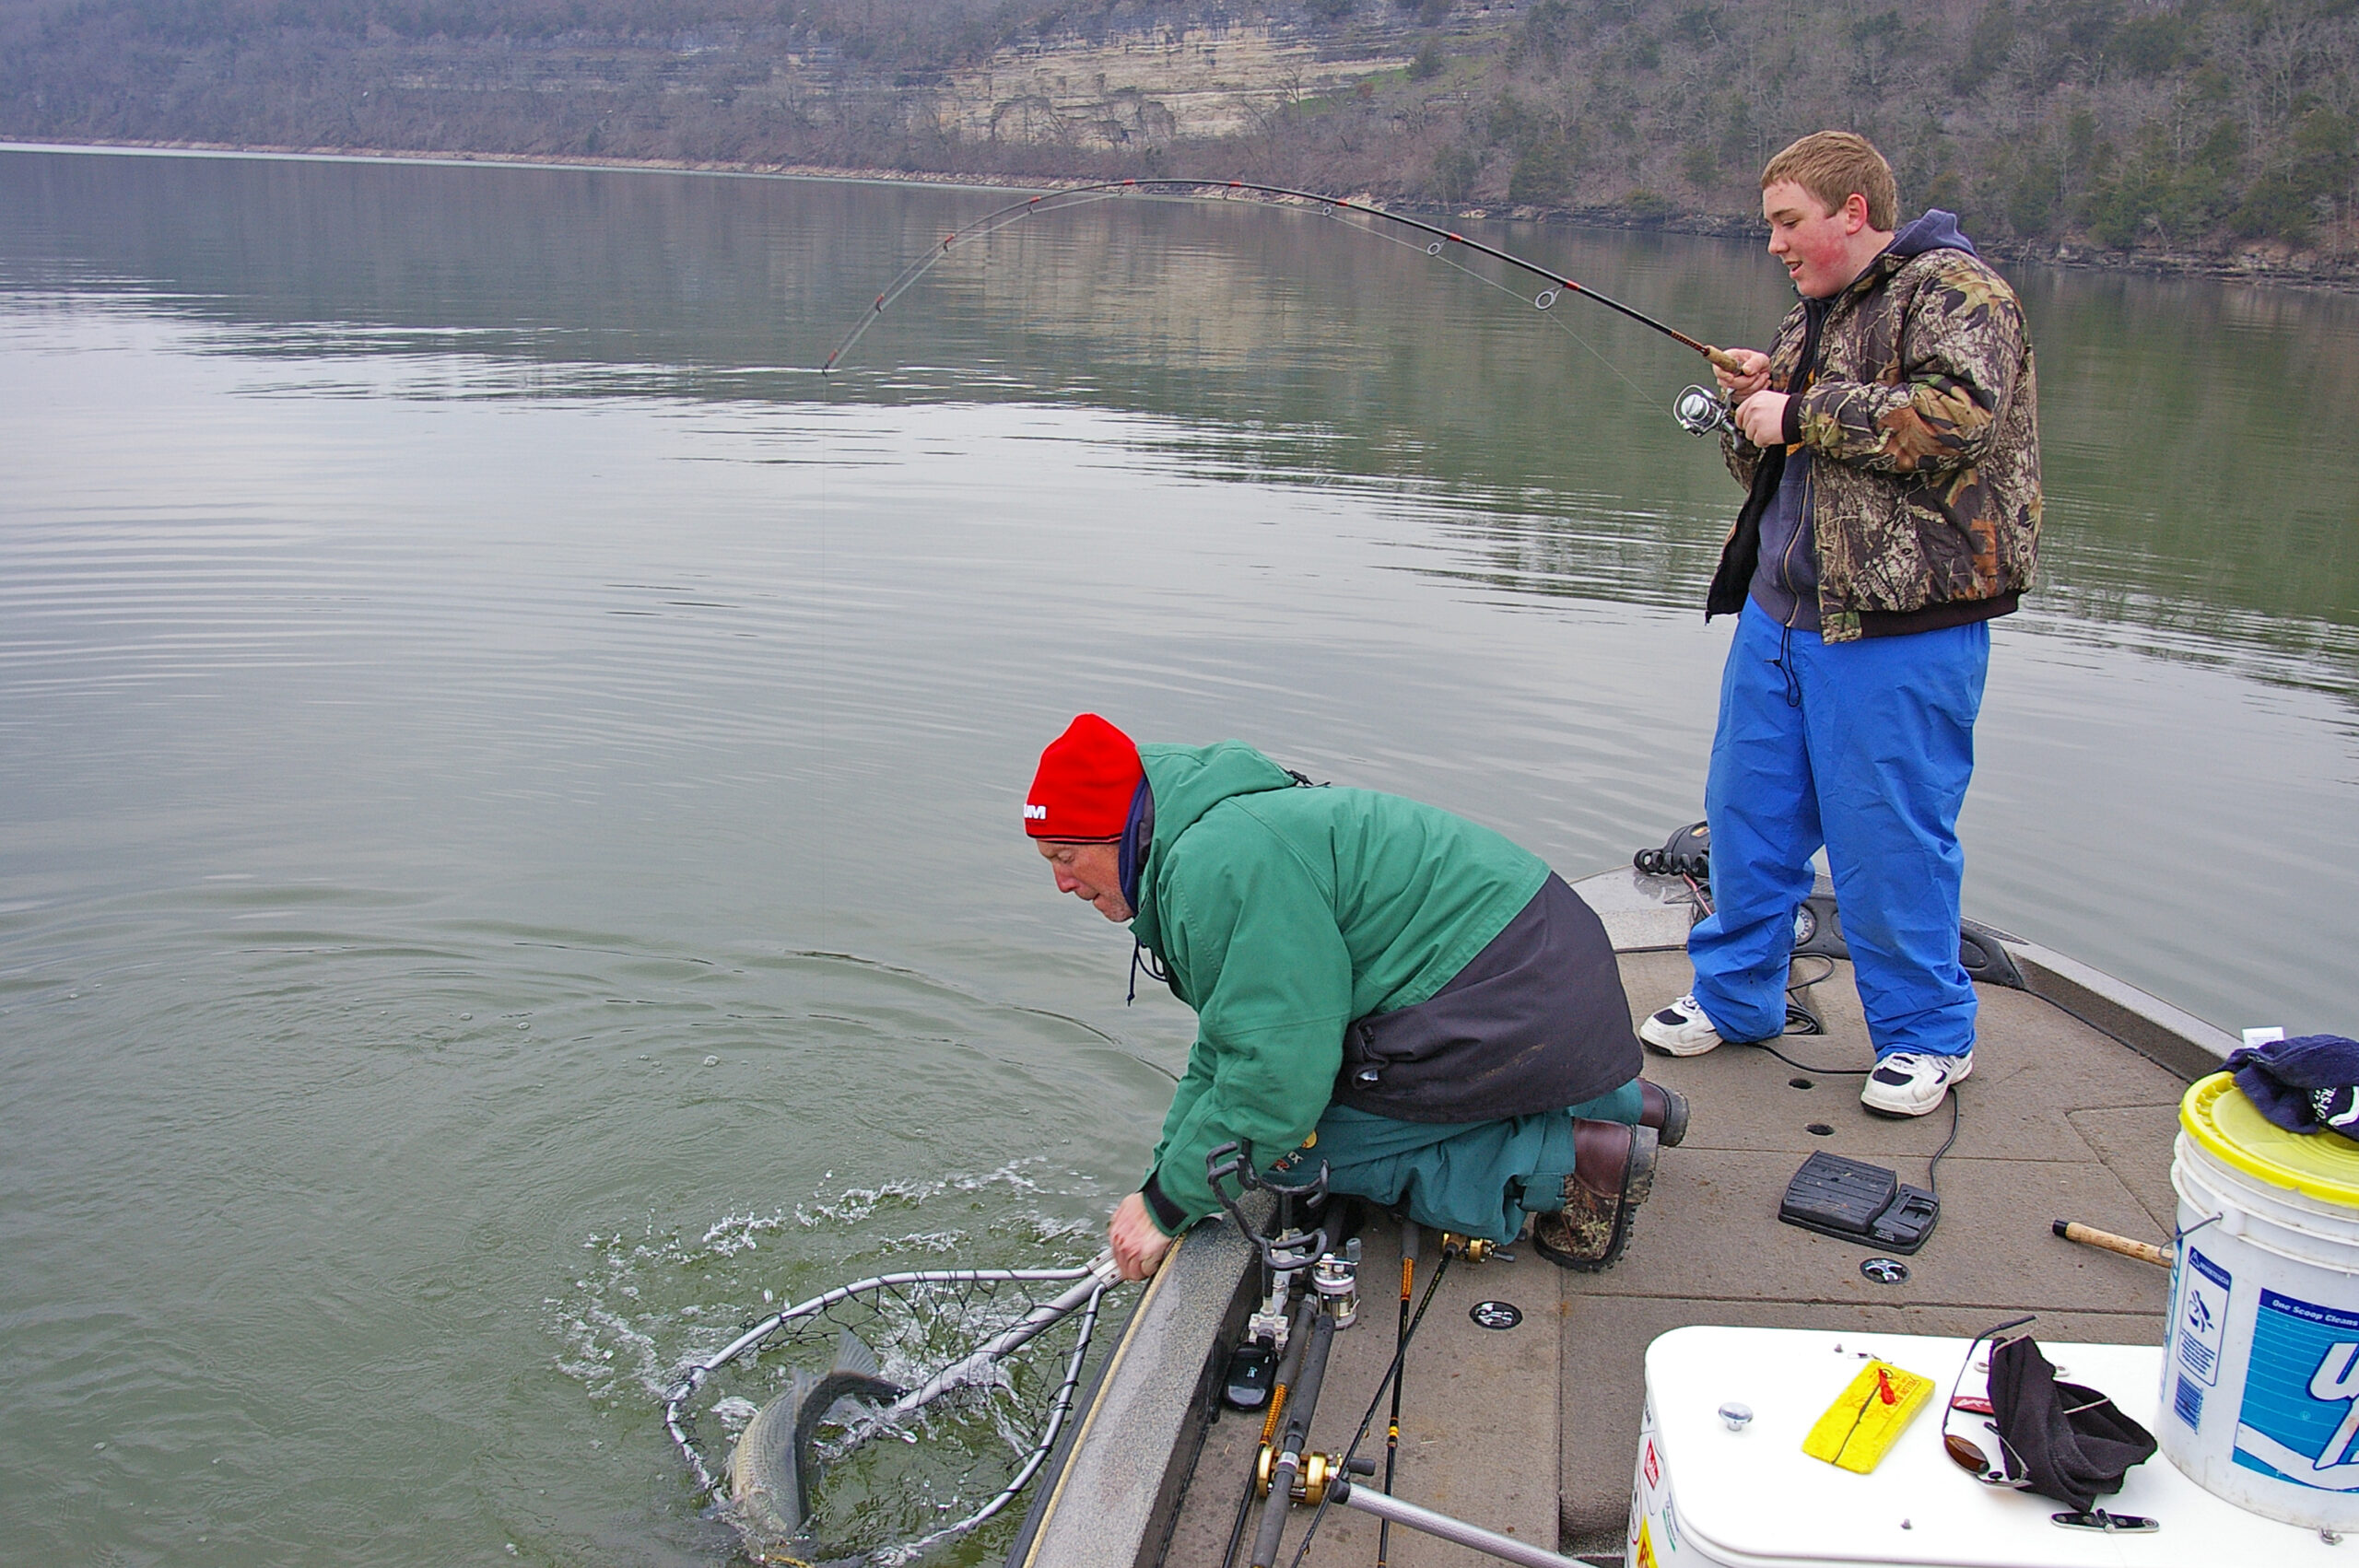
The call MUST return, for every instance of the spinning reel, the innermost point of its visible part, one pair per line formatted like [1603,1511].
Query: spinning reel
[1702,412]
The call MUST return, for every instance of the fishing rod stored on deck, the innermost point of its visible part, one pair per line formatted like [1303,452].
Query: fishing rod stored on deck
[1296,1263]
[1286,1469]
[1440,240]
[1409,1250]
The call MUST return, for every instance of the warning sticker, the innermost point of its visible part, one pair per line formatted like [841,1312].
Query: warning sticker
[2202,1323]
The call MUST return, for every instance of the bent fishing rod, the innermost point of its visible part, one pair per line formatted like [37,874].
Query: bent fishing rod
[1081,195]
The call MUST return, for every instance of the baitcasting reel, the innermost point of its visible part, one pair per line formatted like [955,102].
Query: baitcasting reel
[1475,1249]
[1702,412]
[1319,1472]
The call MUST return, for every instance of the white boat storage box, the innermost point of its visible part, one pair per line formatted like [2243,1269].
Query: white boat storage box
[1708,1495]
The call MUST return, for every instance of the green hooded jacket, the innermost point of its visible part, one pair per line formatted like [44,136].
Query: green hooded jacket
[1281,913]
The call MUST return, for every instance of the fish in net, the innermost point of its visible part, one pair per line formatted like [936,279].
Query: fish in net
[989,1361]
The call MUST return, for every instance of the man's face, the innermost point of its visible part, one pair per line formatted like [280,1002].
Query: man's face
[1092,872]
[1817,246]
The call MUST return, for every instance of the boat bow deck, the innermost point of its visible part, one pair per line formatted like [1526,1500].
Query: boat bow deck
[1534,1429]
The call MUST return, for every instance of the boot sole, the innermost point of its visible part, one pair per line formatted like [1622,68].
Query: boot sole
[1637,1182]
[1673,1131]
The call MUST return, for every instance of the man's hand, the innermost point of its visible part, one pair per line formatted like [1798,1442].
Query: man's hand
[1743,384]
[1762,418]
[1138,1246]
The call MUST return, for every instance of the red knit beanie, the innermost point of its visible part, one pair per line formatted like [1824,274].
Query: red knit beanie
[1087,779]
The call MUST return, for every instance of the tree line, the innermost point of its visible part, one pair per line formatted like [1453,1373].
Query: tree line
[2124,125]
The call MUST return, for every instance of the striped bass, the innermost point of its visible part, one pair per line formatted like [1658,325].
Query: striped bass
[772,1474]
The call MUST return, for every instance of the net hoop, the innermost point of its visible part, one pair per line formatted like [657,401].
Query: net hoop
[1087,1285]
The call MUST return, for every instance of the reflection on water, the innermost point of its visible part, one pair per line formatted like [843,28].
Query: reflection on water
[507,808]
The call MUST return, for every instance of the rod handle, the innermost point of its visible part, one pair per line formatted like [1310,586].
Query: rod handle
[1722,359]
[2089,1236]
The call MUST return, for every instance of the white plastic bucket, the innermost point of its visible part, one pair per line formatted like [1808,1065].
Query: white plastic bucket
[2259,1396]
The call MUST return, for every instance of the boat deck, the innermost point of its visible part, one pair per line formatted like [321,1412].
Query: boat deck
[1534,1429]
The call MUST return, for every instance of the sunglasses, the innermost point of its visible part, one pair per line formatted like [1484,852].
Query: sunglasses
[1970,1426]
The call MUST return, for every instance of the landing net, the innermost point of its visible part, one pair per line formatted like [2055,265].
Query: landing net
[992,1357]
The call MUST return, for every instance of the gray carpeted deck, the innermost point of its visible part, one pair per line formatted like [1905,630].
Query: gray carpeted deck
[1534,1429]
[2058,1121]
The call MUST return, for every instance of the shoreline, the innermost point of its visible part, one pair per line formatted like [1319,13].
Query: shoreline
[2265,266]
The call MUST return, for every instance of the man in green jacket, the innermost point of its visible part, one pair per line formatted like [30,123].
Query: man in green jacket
[1378,985]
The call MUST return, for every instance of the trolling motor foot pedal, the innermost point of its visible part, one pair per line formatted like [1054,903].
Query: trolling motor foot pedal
[1853,1200]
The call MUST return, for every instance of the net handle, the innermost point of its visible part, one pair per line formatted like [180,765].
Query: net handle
[1101,1274]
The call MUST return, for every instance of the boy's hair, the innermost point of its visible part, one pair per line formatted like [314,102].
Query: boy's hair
[1831,165]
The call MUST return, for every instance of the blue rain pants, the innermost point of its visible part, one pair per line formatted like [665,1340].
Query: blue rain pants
[1864,747]
[1477,1178]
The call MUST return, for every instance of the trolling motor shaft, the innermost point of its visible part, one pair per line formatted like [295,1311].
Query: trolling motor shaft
[1490,1542]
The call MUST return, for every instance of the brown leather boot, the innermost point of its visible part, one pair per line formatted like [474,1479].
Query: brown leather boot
[1665,1110]
[1614,1169]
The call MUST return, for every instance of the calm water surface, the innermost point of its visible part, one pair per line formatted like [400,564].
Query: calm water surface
[508,781]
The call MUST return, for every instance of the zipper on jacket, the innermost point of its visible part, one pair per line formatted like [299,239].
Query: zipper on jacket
[1785,557]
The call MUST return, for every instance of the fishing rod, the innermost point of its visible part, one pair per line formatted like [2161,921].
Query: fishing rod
[1079,196]
[1400,1342]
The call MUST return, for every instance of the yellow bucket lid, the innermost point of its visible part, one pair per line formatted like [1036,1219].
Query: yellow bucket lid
[2231,1129]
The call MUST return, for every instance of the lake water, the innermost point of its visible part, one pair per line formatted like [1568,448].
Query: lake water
[508,845]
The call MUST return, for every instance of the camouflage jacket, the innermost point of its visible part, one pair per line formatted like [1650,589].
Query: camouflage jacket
[1923,419]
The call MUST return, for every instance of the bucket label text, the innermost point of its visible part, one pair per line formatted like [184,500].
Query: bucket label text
[2300,1417]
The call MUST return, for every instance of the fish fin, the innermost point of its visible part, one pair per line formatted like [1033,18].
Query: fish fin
[852,1355]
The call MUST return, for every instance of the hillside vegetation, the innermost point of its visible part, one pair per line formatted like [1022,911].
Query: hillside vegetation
[2202,127]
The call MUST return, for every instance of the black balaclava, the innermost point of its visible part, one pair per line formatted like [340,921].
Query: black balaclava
[2069,1442]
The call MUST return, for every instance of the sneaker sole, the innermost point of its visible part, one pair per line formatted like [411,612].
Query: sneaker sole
[1898,1109]
[1672,1044]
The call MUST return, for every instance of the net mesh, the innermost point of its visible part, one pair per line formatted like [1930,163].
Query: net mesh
[888,1492]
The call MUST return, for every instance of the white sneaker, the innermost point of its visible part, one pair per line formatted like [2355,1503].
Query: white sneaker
[1680,1029]
[1912,1083]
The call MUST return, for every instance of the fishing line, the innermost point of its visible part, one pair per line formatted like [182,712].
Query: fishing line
[1441,238]
[1435,251]
[985,227]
